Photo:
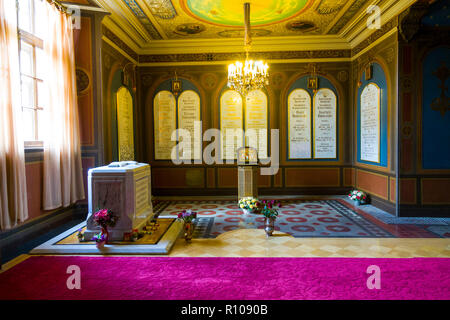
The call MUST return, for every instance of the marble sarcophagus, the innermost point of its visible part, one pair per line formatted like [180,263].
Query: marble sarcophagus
[125,189]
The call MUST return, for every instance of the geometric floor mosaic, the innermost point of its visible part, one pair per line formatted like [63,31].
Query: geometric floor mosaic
[298,218]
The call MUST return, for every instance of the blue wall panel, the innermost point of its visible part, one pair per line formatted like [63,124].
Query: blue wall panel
[435,125]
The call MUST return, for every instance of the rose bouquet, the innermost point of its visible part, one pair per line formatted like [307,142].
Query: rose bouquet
[105,218]
[270,208]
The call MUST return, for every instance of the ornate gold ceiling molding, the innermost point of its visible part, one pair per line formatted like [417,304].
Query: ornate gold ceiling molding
[385,31]
[123,18]
[280,56]
[347,15]
[260,44]
[117,42]
[355,39]
[225,57]
[357,31]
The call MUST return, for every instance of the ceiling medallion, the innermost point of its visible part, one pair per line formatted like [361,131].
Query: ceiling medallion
[226,13]
[248,75]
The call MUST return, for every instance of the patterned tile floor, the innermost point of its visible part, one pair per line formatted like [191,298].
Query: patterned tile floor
[246,240]
[333,218]
[254,243]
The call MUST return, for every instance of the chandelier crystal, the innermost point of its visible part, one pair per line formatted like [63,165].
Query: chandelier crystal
[248,75]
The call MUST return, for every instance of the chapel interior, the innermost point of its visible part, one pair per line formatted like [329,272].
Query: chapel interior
[348,95]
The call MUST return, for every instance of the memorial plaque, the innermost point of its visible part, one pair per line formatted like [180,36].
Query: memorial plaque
[231,122]
[164,108]
[188,115]
[325,126]
[256,122]
[125,127]
[299,118]
[370,123]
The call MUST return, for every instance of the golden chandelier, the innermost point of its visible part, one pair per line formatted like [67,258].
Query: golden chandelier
[249,75]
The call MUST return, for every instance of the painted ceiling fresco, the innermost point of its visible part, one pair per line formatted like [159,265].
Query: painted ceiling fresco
[207,19]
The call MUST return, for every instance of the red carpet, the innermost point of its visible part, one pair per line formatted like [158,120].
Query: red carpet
[165,278]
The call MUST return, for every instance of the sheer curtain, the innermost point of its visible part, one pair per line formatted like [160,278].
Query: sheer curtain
[63,175]
[13,184]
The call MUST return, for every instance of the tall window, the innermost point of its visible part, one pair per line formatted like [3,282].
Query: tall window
[32,68]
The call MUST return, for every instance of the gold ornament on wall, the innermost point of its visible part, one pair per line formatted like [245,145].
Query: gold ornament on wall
[368,72]
[313,81]
[176,86]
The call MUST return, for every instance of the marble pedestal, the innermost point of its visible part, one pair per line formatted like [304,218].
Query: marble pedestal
[125,189]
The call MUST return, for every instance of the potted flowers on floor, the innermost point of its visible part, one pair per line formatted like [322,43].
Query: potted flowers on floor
[270,212]
[359,197]
[188,217]
[104,218]
[250,205]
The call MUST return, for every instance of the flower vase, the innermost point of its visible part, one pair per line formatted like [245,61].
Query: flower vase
[250,211]
[357,202]
[106,233]
[100,244]
[269,226]
[188,231]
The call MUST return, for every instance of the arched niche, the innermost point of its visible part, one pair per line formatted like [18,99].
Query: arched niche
[172,112]
[110,116]
[312,121]
[372,118]
[249,116]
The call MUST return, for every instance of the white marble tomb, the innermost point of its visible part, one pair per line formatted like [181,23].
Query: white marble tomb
[124,188]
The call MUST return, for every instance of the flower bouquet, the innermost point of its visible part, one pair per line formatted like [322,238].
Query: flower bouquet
[250,205]
[358,196]
[270,208]
[105,218]
[188,217]
[270,211]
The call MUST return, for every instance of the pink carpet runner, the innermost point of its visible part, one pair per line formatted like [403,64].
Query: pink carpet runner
[164,278]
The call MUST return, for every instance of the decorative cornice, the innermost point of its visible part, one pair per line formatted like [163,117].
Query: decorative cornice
[354,8]
[391,24]
[139,13]
[119,43]
[278,55]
